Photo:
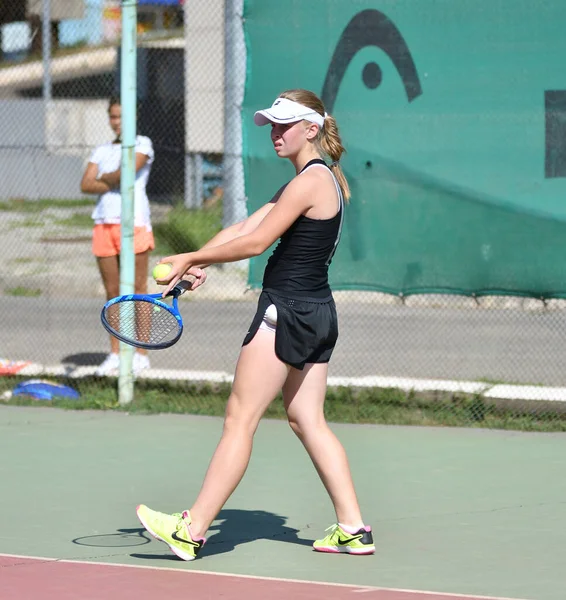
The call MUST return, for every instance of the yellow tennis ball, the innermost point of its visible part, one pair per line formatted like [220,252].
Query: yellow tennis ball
[161,271]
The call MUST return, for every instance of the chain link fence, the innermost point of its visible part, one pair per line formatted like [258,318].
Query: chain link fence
[490,361]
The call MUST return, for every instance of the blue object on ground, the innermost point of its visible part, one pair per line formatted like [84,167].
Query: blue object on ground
[44,390]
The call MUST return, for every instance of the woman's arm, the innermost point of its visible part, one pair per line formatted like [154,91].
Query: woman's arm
[198,274]
[295,199]
[112,179]
[243,227]
[90,184]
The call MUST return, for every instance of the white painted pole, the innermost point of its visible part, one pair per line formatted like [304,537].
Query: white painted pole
[234,202]
[128,99]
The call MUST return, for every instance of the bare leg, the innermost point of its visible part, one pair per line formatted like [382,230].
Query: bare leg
[258,379]
[109,267]
[142,261]
[303,395]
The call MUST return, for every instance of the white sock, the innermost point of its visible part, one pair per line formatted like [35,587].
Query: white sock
[352,528]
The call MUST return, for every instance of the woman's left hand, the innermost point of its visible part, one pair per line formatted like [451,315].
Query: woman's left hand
[180,264]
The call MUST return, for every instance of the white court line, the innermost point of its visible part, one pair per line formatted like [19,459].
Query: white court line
[408,383]
[354,588]
[527,392]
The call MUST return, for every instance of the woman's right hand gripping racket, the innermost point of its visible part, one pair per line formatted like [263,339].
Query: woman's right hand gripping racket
[145,320]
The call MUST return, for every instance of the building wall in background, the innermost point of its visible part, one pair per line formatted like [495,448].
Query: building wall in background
[60,9]
[47,162]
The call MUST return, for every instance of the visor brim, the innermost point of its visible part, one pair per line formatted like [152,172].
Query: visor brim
[264,117]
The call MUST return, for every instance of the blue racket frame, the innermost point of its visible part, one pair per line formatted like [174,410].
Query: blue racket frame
[156,300]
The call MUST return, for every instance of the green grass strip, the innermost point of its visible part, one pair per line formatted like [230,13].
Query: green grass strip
[343,404]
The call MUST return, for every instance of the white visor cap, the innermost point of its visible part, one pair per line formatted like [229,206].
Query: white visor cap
[284,110]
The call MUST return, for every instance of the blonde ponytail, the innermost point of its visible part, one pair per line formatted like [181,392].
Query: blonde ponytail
[331,145]
[328,139]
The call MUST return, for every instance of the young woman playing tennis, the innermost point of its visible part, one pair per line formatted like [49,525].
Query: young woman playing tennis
[292,335]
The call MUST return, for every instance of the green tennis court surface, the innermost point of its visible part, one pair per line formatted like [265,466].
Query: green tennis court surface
[465,512]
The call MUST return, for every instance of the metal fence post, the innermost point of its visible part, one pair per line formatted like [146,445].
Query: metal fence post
[235,79]
[128,93]
[46,60]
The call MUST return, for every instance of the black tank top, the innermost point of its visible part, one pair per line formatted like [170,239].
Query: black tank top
[299,263]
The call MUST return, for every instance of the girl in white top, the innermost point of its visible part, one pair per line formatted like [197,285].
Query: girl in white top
[102,177]
[107,157]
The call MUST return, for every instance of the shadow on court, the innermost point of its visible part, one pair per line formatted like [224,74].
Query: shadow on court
[83,359]
[123,538]
[464,511]
[232,528]
[241,526]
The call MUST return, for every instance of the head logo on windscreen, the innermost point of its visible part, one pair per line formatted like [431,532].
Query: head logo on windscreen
[370,28]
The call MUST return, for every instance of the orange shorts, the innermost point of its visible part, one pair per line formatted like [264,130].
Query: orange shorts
[106,240]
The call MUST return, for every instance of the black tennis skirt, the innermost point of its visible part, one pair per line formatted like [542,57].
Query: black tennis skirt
[307,328]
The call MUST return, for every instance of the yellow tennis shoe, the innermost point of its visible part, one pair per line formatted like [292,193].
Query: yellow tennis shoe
[173,530]
[339,540]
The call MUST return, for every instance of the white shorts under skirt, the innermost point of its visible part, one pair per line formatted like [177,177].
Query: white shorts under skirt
[269,321]
[306,329]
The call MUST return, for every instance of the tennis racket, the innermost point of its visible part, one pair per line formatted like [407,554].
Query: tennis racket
[145,320]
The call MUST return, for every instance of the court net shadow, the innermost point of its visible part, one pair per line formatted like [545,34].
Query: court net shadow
[234,527]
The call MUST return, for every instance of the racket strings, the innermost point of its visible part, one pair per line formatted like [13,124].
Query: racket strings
[141,321]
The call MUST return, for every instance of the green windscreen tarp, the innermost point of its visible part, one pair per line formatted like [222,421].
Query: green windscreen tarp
[453,114]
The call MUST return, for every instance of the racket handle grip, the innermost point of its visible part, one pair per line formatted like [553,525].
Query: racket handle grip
[183,285]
